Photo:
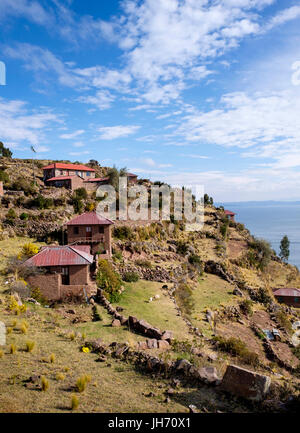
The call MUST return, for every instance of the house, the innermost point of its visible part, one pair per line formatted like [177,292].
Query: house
[91,229]
[63,270]
[71,176]
[230,215]
[69,269]
[131,178]
[288,296]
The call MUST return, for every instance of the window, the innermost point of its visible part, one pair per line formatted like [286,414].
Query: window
[61,172]
[76,230]
[101,229]
[88,173]
[296,300]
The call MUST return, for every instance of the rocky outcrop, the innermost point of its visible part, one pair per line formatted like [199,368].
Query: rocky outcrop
[245,383]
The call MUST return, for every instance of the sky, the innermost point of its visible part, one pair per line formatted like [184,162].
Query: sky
[190,92]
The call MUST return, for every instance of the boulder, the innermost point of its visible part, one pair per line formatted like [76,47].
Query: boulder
[163,344]
[237,292]
[183,365]
[142,345]
[208,375]
[116,323]
[245,383]
[2,334]
[152,343]
[167,335]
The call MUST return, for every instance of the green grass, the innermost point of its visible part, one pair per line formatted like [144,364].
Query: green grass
[210,293]
[160,313]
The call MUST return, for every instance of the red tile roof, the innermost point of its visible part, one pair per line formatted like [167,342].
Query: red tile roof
[98,179]
[60,256]
[89,218]
[68,167]
[287,292]
[228,212]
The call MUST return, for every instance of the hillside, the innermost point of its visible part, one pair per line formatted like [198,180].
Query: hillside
[212,289]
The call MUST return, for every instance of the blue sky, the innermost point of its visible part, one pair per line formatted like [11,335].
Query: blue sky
[186,91]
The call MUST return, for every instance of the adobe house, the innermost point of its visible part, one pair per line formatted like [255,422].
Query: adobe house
[65,270]
[91,229]
[131,178]
[288,296]
[230,215]
[70,176]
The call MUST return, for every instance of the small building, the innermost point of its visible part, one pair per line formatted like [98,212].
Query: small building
[288,296]
[68,182]
[91,229]
[230,215]
[58,169]
[131,178]
[64,270]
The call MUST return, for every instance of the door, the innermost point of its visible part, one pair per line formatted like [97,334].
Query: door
[88,232]
[65,278]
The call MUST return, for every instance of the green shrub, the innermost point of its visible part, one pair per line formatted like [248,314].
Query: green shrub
[182,248]
[236,347]
[262,296]
[108,280]
[22,184]
[117,255]
[77,205]
[283,321]
[42,202]
[224,229]
[96,315]
[4,177]
[123,233]
[131,277]
[81,193]
[260,253]
[24,216]
[246,307]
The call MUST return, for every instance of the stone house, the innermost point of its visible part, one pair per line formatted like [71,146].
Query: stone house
[64,270]
[71,176]
[69,269]
[91,229]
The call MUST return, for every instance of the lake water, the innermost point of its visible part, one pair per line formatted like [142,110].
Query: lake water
[271,221]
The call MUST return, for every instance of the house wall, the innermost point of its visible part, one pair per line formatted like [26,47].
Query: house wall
[82,174]
[104,238]
[289,300]
[79,275]
[49,284]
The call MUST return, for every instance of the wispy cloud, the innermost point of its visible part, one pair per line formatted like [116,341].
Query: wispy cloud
[113,132]
[72,134]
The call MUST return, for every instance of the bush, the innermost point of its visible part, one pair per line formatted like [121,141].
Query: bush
[11,214]
[123,233]
[260,253]
[74,402]
[246,307]
[29,250]
[20,287]
[96,315]
[44,384]
[24,216]
[182,248]
[52,358]
[224,230]
[77,205]
[82,382]
[283,321]
[4,177]
[22,184]
[184,298]
[30,346]
[262,296]
[108,280]
[12,349]
[81,193]
[131,277]
[42,202]
[236,347]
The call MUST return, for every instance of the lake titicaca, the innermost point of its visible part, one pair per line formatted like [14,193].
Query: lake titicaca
[271,221]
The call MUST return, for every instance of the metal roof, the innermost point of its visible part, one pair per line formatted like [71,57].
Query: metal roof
[287,292]
[68,167]
[89,218]
[60,178]
[60,256]
[228,212]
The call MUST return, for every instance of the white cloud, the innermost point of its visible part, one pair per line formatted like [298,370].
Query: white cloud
[72,134]
[283,17]
[21,125]
[84,152]
[102,99]
[113,132]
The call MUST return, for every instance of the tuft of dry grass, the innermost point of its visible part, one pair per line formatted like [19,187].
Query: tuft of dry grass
[52,358]
[82,382]
[44,384]
[60,377]
[1,354]
[74,402]
[12,349]
[30,346]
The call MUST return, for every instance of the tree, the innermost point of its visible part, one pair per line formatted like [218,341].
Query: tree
[208,200]
[284,248]
[5,151]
